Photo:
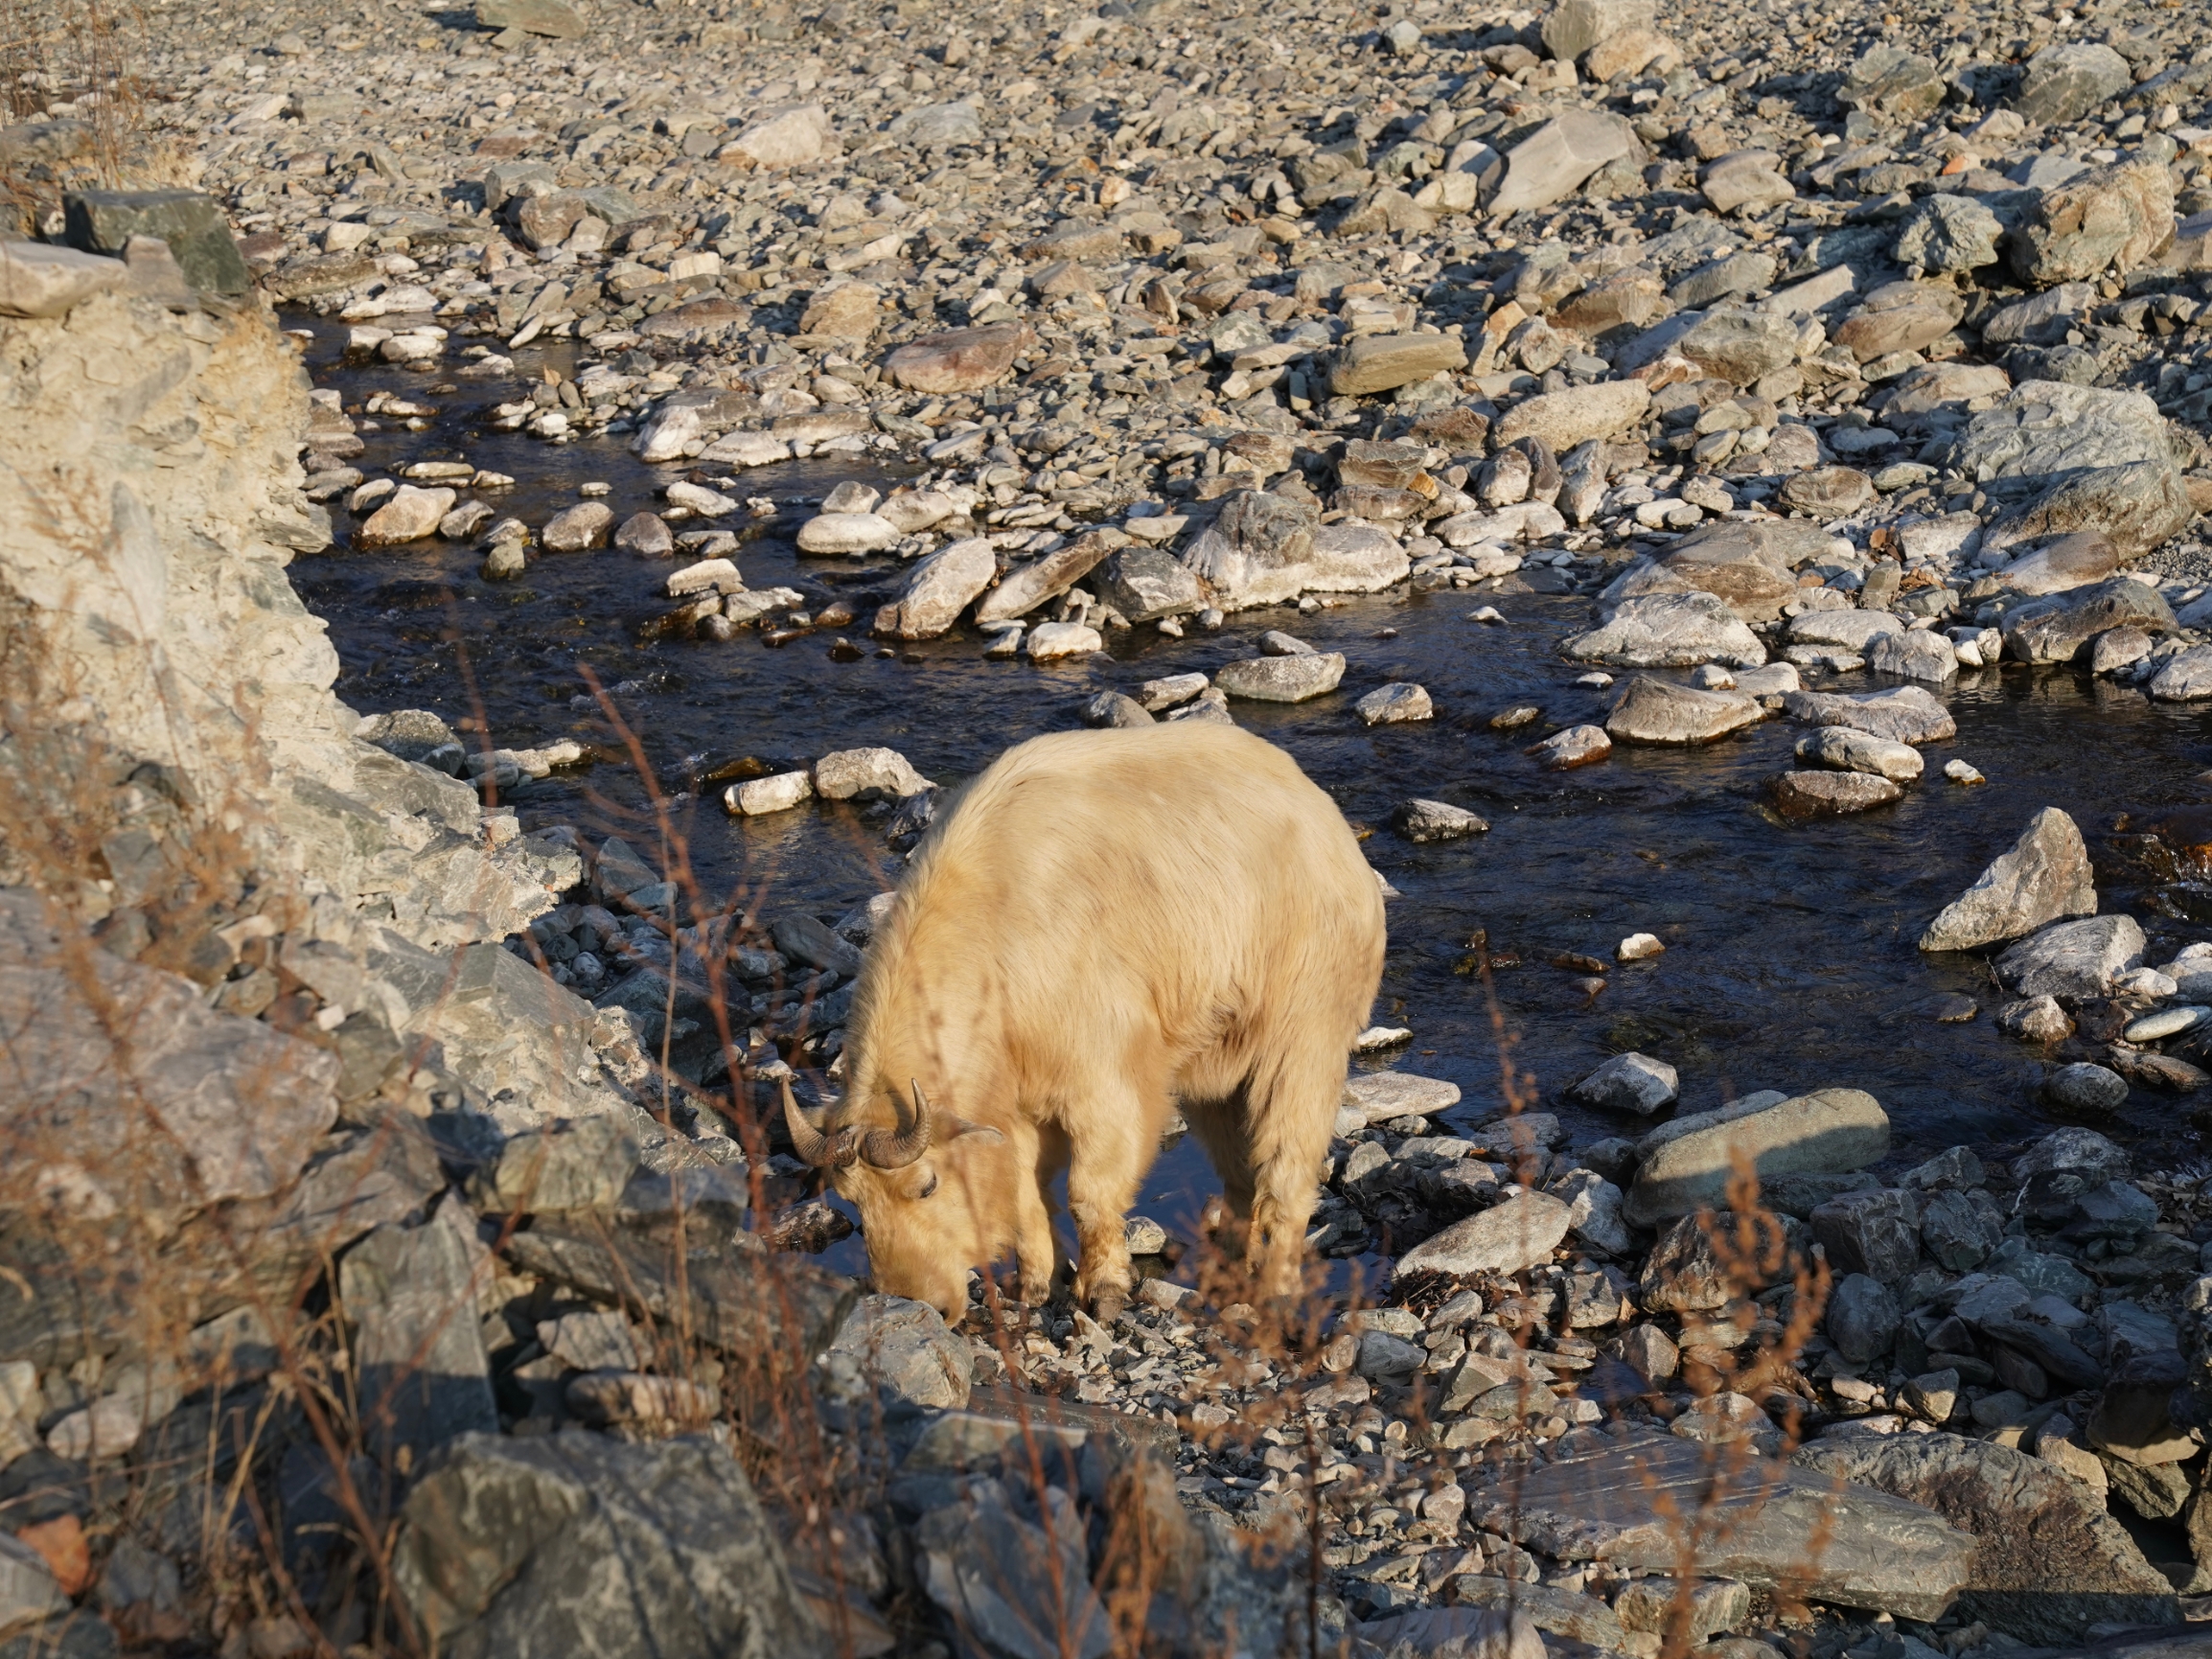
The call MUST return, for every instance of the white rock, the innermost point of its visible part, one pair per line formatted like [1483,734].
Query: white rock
[846,533]
[1053,639]
[766,795]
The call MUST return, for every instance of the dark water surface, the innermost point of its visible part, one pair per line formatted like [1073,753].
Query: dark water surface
[1789,961]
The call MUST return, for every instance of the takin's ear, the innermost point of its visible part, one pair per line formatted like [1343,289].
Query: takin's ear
[960,1126]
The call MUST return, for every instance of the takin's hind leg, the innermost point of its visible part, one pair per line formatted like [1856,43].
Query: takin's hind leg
[1290,1115]
[1109,1153]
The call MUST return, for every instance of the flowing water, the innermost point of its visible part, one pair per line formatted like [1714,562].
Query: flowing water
[1790,960]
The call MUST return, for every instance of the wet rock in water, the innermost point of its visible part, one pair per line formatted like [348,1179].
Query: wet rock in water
[835,533]
[1831,1130]
[2035,1019]
[1049,641]
[2044,877]
[2072,959]
[1378,1096]
[867,774]
[1146,584]
[1670,631]
[904,1348]
[1618,1498]
[410,514]
[577,529]
[1282,678]
[2082,1086]
[2185,677]
[1576,746]
[759,795]
[579,1543]
[1843,748]
[1435,820]
[939,590]
[1264,549]
[1515,1235]
[1914,653]
[1392,704]
[1630,1083]
[959,359]
[2048,1562]
[1025,587]
[1658,712]
[1905,713]
[1804,795]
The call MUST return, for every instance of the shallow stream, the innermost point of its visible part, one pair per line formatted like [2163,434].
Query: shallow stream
[1790,960]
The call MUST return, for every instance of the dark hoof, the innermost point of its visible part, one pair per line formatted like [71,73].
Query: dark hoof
[1108,1304]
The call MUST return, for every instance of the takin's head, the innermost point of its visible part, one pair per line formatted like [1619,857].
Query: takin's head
[936,1195]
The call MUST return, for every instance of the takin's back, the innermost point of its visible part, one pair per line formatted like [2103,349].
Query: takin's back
[1185,877]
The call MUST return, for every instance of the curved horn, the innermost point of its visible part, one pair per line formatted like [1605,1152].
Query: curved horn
[822,1151]
[896,1148]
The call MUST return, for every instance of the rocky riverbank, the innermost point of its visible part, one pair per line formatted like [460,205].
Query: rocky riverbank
[387,1162]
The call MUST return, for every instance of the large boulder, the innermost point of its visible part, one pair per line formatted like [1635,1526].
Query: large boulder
[1264,548]
[2064,82]
[1659,711]
[2132,509]
[2044,878]
[2048,1560]
[576,1543]
[2072,959]
[2044,429]
[903,1348]
[1828,1131]
[1551,162]
[1904,713]
[2056,628]
[940,587]
[2109,218]
[1670,631]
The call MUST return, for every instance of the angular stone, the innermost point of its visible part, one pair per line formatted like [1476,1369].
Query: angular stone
[1631,52]
[1876,1233]
[1748,181]
[1915,653]
[1840,749]
[191,222]
[1630,1083]
[576,529]
[555,19]
[848,311]
[1394,705]
[1025,587]
[1518,1233]
[2044,878]
[1861,1318]
[2134,509]
[2062,566]
[2044,429]
[1806,794]
[939,588]
[1282,678]
[1619,1499]
[410,514]
[1659,711]
[2048,1561]
[959,359]
[1551,162]
[1892,82]
[1563,420]
[418,1351]
[1422,821]
[1146,584]
[788,137]
[905,1348]
[1905,714]
[2072,959]
[1960,1230]
[1379,1096]
[576,1543]
[37,280]
[1572,27]
[1741,346]
[1264,548]
[1828,491]
[1374,363]
[1901,317]
[1049,641]
[2186,676]
[1670,631]
[1950,234]
[1831,1130]
[1576,746]
[2063,83]
[30,1593]
[867,774]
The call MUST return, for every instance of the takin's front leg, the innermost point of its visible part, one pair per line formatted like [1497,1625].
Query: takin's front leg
[1109,1153]
[1038,1257]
